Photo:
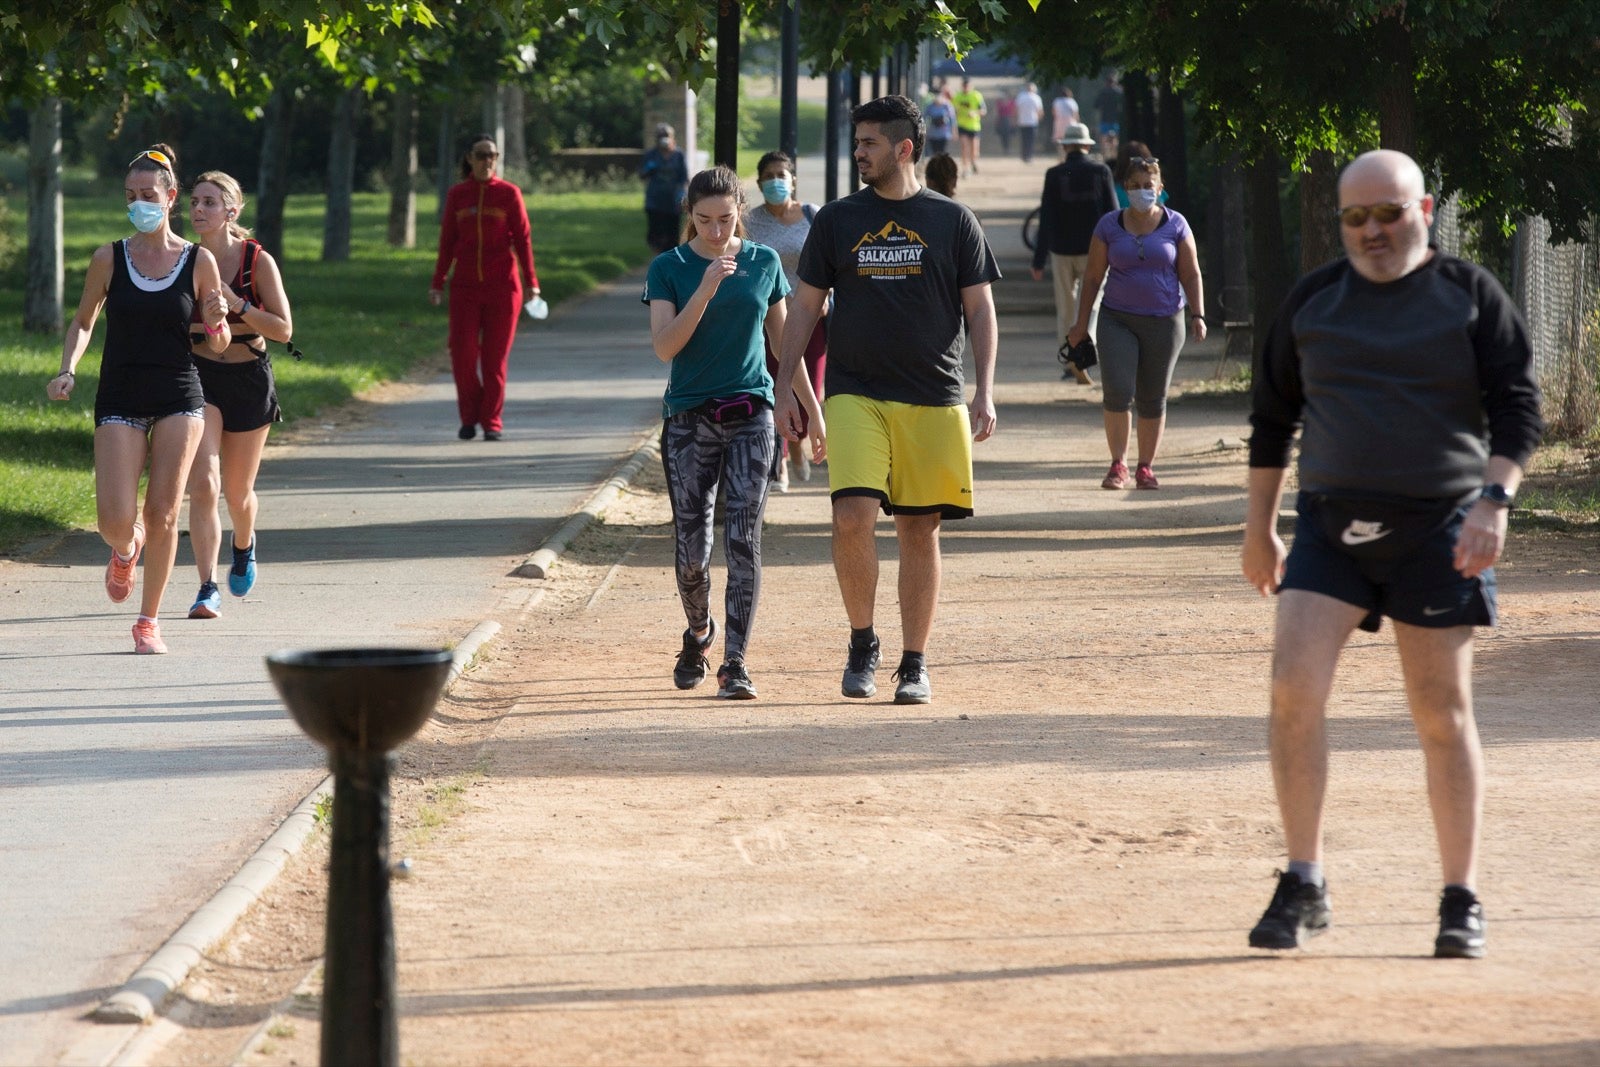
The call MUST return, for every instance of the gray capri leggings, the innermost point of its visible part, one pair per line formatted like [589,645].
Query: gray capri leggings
[1137,356]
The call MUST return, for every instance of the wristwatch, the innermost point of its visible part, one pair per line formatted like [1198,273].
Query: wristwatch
[1496,494]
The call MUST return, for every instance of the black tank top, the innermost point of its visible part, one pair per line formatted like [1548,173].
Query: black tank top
[146,369]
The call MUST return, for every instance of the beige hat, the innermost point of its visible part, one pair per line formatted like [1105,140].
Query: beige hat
[1077,133]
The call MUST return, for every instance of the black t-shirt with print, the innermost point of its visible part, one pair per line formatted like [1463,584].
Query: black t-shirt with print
[896,268]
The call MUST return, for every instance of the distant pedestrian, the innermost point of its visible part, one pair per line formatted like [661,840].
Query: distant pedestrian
[1146,256]
[1005,120]
[150,406]
[940,120]
[1077,195]
[970,110]
[240,392]
[1030,109]
[485,234]
[710,300]
[941,174]
[908,269]
[782,222]
[1108,102]
[1409,377]
[1063,113]
[666,175]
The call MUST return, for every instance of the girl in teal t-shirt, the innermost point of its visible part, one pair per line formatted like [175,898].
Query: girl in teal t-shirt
[710,299]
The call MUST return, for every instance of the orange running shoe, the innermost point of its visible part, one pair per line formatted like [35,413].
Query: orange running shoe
[147,638]
[120,574]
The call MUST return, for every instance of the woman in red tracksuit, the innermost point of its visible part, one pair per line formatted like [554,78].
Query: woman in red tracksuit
[485,234]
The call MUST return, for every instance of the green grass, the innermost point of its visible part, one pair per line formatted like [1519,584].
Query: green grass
[359,323]
[1563,485]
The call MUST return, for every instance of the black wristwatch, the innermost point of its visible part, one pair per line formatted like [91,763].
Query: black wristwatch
[1496,494]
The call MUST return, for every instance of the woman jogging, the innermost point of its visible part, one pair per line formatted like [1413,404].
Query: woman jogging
[485,234]
[149,406]
[710,300]
[1146,256]
[240,392]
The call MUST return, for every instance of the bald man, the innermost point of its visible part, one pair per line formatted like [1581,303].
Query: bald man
[1408,375]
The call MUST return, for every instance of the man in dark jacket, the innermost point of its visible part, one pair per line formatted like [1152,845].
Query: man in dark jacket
[1077,194]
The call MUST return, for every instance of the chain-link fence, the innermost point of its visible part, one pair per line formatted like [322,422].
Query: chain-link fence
[1558,289]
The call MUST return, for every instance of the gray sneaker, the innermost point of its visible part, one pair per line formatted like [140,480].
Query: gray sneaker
[733,681]
[860,673]
[914,687]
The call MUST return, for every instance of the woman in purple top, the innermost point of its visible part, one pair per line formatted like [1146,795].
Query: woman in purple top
[1145,254]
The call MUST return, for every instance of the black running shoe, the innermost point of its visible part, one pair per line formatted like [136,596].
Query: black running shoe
[467,432]
[692,665]
[733,681]
[1298,909]
[860,673]
[1460,925]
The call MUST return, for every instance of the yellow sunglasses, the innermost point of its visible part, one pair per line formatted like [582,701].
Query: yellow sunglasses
[151,153]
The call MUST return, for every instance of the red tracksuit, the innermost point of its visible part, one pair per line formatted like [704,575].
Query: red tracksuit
[485,234]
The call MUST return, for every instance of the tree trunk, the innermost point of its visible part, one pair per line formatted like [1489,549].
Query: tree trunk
[1270,273]
[1172,131]
[1319,199]
[1138,111]
[449,168]
[1229,261]
[514,158]
[42,299]
[1397,87]
[341,177]
[403,169]
[272,187]
[494,116]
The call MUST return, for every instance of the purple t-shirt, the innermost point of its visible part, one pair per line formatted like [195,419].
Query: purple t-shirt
[1142,272]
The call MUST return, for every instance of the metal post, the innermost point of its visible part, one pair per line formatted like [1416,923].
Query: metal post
[727,137]
[789,94]
[830,141]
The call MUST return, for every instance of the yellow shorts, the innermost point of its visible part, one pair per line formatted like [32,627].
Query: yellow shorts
[917,460]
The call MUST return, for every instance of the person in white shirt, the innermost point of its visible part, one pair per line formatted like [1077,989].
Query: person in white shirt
[1064,110]
[1029,110]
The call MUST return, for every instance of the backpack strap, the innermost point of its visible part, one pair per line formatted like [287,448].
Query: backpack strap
[809,210]
[247,269]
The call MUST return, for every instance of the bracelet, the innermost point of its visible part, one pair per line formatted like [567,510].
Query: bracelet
[244,305]
[67,374]
[212,332]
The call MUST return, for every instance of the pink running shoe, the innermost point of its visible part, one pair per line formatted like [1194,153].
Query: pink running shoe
[1116,477]
[1145,478]
[120,573]
[147,638]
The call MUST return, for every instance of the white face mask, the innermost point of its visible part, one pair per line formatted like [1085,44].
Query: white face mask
[1143,199]
[145,216]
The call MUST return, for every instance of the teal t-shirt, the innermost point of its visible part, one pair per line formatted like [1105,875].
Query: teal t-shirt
[725,354]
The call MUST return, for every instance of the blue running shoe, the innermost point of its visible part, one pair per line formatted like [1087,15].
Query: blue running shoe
[207,603]
[242,575]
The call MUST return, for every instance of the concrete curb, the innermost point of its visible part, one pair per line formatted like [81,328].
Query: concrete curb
[538,565]
[167,968]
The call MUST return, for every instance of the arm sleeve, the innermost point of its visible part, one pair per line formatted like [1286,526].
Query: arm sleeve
[1276,392]
[658,282]
[976,263]
[522,240]
[447,242]
[1049,205]
[1505,370]
[816,266]
[1106,200]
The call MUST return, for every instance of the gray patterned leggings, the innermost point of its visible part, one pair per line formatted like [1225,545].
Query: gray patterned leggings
[697,454]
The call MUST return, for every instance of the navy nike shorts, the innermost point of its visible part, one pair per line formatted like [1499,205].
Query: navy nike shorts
[1422,587]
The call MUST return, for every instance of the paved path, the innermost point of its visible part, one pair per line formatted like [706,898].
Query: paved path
[133,787]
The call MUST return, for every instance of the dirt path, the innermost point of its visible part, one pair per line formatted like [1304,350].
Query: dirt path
[1055,862]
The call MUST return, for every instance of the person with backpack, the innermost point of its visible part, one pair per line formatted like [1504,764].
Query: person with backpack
[240,392]
[940,120]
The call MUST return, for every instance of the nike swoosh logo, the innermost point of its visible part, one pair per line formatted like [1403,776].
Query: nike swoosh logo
[1364,533]
[1430,612]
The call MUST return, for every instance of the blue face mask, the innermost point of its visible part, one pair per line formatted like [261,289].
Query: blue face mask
[775,191]
[145,216]
[1143,199]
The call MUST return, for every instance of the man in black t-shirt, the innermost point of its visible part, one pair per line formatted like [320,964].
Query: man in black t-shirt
[907,268]
[1409,376]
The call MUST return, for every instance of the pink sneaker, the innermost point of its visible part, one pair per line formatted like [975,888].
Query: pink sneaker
[1145,478]
[120,574]
[1116,477]
[147,638]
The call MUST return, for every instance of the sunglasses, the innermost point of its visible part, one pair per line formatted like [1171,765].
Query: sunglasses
[1384,213]
[151,153]
[486,155]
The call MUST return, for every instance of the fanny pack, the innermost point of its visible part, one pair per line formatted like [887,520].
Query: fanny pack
[735,408]
[1381,528]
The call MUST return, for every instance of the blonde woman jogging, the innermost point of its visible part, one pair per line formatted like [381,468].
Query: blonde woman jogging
[149,406]
[240,392]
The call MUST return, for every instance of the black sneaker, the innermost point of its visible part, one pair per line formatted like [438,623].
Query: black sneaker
[1298,909]
[860,673]
[467,432]
[1460,925]
[692,665]
[733,681]
[914,687]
